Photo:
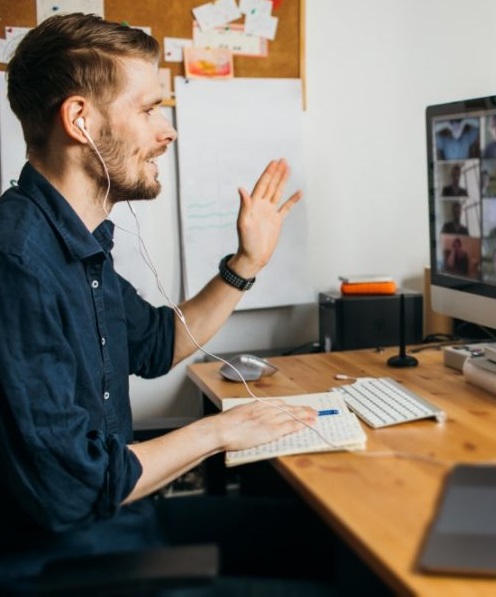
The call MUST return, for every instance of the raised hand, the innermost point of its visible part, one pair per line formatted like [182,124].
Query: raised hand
[261,216]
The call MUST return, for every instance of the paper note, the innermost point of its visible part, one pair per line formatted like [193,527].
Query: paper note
[205,62]
[214,14]
[261,25]
[261,7]
[13,36]
[231,37]
[16,32]
[173,48]
[48,8]
[229,10]
[4,52]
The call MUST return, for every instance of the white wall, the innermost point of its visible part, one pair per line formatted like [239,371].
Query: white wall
[372,68]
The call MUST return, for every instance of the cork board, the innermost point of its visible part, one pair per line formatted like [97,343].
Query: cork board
[173,18]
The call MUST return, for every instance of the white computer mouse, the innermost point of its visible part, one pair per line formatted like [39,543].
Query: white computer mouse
[249,366]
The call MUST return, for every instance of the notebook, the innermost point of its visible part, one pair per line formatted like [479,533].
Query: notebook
[340,431]
[462,536]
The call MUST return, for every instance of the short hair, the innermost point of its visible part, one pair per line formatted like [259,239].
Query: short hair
[67,55]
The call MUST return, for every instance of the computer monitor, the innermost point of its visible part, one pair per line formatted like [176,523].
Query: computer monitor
[461,147]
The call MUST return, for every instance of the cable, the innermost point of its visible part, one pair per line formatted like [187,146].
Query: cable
[94,147]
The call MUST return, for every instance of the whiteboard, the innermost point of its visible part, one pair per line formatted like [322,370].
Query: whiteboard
[227,133]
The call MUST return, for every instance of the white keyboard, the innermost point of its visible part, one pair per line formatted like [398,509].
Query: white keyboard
[382,401]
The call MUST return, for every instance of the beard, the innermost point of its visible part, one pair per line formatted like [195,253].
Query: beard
[116,157]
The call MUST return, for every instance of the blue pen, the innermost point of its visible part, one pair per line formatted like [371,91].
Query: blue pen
[331,411]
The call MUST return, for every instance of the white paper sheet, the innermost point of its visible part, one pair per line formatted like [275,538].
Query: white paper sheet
[228,132]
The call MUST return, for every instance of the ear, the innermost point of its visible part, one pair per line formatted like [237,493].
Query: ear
[72,110]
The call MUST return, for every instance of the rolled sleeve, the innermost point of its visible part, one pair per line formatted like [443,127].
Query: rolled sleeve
[150,334]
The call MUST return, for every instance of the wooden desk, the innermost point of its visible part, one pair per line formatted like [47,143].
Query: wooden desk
[382,505]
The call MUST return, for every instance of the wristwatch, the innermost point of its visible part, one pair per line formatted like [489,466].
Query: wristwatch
[231,277]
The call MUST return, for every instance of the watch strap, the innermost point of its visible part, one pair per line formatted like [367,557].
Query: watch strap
[232,278]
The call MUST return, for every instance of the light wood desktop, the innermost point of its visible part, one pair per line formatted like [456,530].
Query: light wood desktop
[382,504]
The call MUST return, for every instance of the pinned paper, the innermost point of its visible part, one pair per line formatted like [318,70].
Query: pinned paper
[48,8]
[232,37]
[229,9]
[4,53]
[261,25]
[173,48]
[215,14]
[208,63]
[13,36]
[259,7]
[16,32]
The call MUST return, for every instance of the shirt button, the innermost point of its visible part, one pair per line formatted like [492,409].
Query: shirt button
[94,284]
[103,341]
[106,395]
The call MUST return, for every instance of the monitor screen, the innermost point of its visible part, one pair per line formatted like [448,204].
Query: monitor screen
[461,146]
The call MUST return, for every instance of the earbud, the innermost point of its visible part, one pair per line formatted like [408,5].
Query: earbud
[79,122]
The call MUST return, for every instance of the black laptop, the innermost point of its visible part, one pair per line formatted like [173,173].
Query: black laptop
[462,536]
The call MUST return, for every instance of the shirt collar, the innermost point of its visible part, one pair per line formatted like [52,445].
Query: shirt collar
[80,242]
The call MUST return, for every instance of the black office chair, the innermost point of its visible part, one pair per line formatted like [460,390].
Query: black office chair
[136,574]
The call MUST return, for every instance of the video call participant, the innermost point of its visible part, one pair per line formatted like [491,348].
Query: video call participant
[457,259]
[458,139]
[454,189]
[455,226]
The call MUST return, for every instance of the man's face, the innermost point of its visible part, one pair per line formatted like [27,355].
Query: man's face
[455,175]
[134,133]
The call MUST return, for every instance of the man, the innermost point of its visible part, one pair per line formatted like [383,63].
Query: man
[458,139]
[455,226]
[456,259]
[454,189]
[72,482]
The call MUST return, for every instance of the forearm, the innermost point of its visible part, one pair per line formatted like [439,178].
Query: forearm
[206,312]
[167,457]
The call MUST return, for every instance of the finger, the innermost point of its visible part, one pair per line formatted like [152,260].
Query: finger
[296,423]
[278,182]
[244,196]
[288,205]
[281,411]
[265,184]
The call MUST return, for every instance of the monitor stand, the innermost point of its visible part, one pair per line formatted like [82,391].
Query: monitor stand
[402,359]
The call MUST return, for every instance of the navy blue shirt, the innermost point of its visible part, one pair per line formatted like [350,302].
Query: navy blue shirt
[72,331]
